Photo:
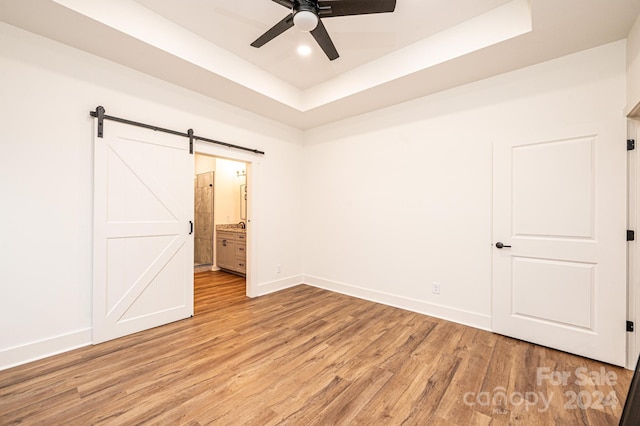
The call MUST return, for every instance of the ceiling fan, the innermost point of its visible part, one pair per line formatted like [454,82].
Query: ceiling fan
[306,15]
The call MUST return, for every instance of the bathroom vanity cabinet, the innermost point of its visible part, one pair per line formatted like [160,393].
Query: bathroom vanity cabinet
[231,251]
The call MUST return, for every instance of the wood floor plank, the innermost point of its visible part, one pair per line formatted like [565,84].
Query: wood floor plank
[475,358]
[348,404]
[303,356]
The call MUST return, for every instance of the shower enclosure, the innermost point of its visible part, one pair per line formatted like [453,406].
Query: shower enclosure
[203,229]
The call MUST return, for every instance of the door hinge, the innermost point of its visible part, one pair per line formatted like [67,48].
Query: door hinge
[631,235]
[631,144]
[630,326]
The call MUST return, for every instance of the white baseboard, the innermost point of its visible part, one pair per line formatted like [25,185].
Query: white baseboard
[34,351]
[273,286]
[471,319]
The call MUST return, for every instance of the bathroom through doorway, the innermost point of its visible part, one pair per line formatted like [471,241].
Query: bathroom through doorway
[220,203]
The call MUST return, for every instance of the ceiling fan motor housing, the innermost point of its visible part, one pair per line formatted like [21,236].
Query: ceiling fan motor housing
[305,6]
[305,15]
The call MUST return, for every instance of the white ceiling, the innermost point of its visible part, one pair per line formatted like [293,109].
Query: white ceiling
[423,47]
[359,39]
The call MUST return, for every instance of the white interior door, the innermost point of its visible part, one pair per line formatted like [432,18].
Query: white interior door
[560,203]
[143,241]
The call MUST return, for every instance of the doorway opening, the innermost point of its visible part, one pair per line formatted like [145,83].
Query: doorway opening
[220,218]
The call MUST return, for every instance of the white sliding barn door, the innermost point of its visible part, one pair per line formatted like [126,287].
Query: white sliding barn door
[143,245]
[560,203]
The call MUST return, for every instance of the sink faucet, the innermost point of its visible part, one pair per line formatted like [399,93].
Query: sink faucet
[243,225]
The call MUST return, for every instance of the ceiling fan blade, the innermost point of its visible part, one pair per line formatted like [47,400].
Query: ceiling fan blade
[274,32]
[322,37]
[286,3]
[331,8]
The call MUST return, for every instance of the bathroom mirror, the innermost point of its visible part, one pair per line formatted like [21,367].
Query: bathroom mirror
[243,202]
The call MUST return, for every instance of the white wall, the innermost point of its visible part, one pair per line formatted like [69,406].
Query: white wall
[402,197]
[204,164]
[227,186]
[633,66]
[47,91]
[227,191]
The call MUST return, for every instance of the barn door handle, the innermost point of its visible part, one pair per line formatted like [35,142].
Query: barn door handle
[191,227]
[500,245]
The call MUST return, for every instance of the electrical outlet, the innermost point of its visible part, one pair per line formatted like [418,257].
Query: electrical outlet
[435,288]
[278,268]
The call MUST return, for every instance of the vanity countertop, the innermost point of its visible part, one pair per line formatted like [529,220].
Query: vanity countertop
[231,227]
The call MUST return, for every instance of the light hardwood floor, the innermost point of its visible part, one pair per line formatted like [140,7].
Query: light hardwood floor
[308,356]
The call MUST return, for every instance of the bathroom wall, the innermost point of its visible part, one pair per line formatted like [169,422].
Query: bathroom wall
[204,163]
[227,188]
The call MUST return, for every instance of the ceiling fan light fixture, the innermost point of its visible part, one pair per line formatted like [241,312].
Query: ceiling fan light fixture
[305,20]
[305,15]
[304,50]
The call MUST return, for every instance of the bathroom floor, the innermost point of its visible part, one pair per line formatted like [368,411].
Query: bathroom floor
[201,268]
